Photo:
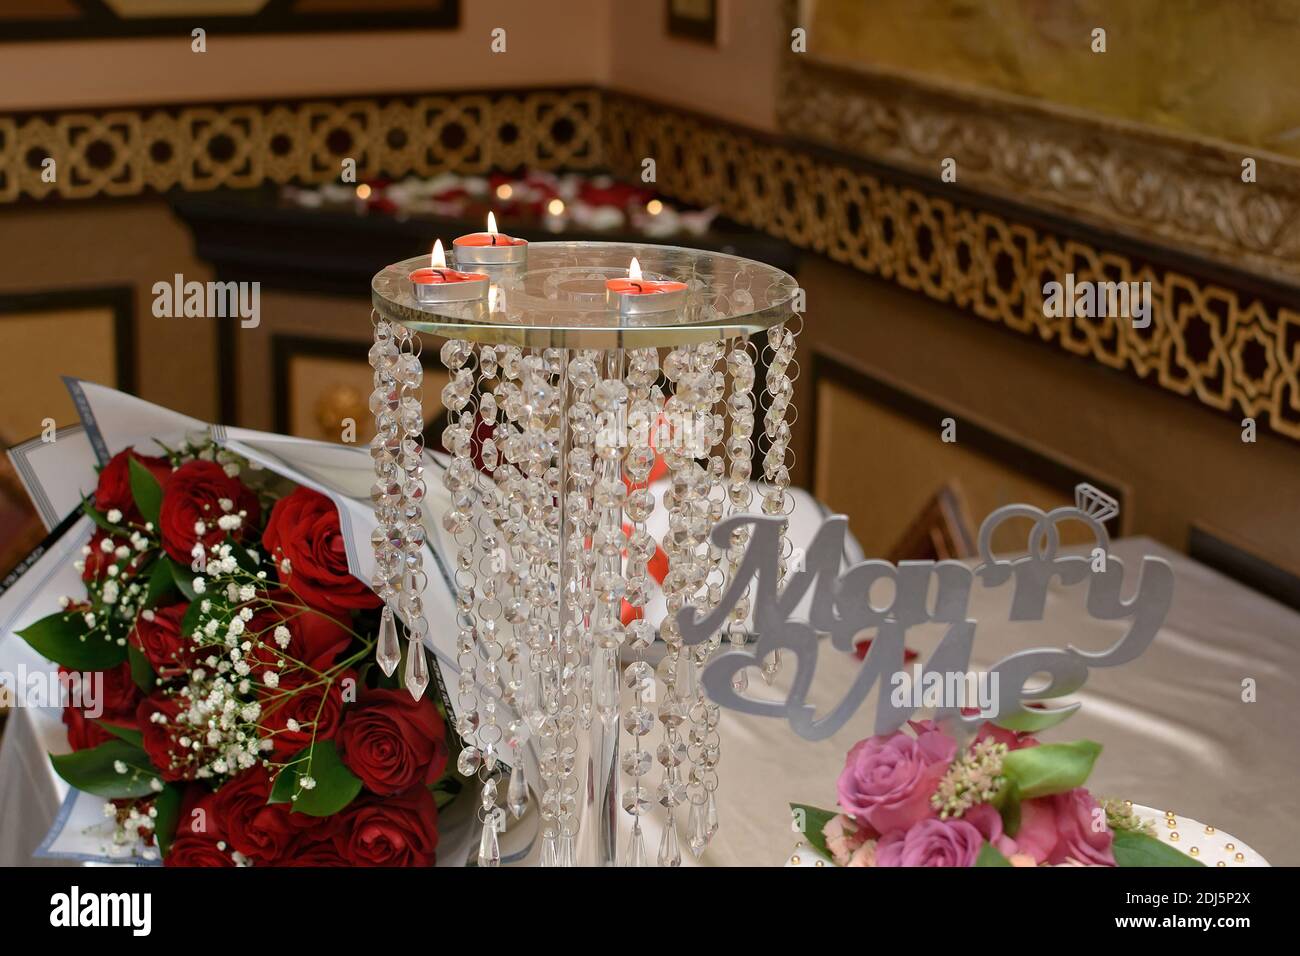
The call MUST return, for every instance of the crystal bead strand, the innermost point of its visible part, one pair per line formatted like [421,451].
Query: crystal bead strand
[690,411]
[501,599]
[486,614]
[386,493]
[460,479]
[500,457]
[570,665]
[409,375]
[740,494]
[704,743]
[645,401]
[538,531]
[779,391]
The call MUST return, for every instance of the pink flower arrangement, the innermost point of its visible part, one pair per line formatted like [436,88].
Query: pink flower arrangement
[917,797]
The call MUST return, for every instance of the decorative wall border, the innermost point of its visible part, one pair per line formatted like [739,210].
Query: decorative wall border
[240,145]
[1134,179]
[1219,334]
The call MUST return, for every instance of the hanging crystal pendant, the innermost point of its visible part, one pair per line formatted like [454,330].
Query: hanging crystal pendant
[517,792]
[489,848]
[696,830]
[636,848]
[670,853]
[388,650]
[417,669]
[550,855]
[710,817]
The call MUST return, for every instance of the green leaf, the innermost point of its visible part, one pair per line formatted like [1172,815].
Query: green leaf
[141,670]
[336,785]
[1031,720]
[129,734]
[241,556]
[1137,849]
[184,579]
[1050,768]
[168,805]
[98,517]
[94,770]
[1008,805]
[162,582]
[63,638]
[811,821]
[145,490]
[990,856]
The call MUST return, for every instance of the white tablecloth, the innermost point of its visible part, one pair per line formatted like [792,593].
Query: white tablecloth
[1175,730]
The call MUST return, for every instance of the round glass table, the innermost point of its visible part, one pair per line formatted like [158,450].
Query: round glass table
[558,298]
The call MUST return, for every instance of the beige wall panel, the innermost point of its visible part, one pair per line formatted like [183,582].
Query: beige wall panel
[36,350]
[884,490]
[135,244]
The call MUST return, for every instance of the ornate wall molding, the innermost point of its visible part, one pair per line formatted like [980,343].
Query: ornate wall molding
[1226,347]
[240,145]
[1146,183]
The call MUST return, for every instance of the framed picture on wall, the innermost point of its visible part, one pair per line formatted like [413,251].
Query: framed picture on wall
[32,20]
[693,20]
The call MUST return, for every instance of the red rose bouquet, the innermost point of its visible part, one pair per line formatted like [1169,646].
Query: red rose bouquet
[239,720]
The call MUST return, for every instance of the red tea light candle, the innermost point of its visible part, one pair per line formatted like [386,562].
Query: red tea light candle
[490,248]
[437,283]
[638,296]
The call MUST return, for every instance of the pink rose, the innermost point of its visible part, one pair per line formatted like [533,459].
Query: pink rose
[1061,827]
[843,837]
[1083,833]
[887,781]
[1014,739]
[932,842]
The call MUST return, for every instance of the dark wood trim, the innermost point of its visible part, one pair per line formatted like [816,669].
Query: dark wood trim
[689,28]
[98,22]
[1051,470]
[119,298]
[1231,558]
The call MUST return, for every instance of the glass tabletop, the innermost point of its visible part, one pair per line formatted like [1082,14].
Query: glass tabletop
[557,299]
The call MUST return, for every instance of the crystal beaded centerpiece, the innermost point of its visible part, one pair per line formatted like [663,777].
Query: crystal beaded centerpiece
[562,411]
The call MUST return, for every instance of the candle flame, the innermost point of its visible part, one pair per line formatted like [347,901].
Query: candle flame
[439,258]
[492,224]
[634,270]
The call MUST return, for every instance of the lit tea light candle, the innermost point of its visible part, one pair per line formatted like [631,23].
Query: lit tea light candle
[437,283]
[490,248]
[636,295]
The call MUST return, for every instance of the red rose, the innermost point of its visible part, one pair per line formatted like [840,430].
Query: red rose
[259,830]
[114,488]
[158,636]
[304,699]
[198,815]
[400,830]
[315,638]
[201,491]
[109,695]
[197,850]
[172,761]
[304,530]
[393,742]
[312,851]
